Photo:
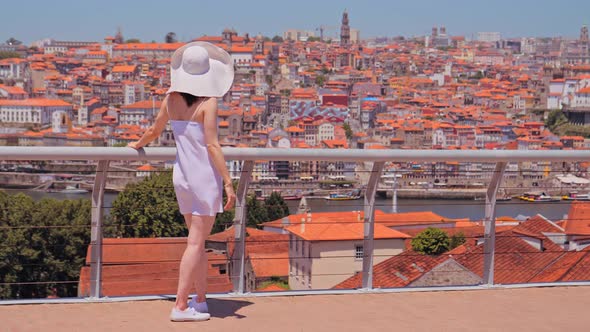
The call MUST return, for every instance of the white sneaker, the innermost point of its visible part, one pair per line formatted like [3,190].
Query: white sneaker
[189,314]
[198,306]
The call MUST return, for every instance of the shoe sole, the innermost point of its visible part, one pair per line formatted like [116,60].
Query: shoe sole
[189,319]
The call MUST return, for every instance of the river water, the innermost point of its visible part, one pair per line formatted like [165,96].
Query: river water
[471,209]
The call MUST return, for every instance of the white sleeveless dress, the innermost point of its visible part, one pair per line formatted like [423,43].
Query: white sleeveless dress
[197,184]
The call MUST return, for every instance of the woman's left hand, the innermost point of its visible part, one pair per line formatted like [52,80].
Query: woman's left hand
[134,145]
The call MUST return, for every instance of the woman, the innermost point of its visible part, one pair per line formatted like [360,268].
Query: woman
[200,72]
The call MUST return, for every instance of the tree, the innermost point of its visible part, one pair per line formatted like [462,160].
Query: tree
[276,206]
[478,76]
[170,38]
[9,55]
[431,241]
[313,39]
[456,240]
[147,209]
[132,41]
[277,39]
[347,130]
[320,80]
[13,42]
[47,258]
[256,213]
[555,119]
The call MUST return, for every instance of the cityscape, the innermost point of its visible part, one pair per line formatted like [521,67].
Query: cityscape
[327,88]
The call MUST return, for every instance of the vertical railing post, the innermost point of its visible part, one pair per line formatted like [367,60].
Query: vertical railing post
[489,246]
[238,258]
[100,180]
[369,224]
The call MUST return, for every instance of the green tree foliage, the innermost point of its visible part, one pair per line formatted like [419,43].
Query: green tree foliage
[147,209]
[456,240]
[257,212]
[13,41]
[170,38]
[9,55]
[44,242]
[558,124]
[277,39]
[555,119]
[276,206]
[120,145]
[132,41]
[431,241]
[320,80]
[347,130]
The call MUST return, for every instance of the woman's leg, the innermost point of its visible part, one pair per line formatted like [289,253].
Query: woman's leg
[193,260]
[198,282]
[202,266]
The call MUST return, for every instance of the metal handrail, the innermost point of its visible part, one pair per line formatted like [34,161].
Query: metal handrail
[277,154]
[104,155]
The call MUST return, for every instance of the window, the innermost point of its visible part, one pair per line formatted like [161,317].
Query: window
[358,252]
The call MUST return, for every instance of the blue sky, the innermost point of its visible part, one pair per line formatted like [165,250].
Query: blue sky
[148,20]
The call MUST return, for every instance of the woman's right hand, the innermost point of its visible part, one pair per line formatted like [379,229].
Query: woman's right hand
[231,197]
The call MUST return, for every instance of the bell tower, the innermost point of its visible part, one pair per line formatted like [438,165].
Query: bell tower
[259,45]
[345,30]
[584,35]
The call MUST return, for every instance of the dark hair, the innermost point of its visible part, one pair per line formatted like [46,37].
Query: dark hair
[189,99]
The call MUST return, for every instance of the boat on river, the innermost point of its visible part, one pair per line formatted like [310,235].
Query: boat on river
[538,197]
[575,196]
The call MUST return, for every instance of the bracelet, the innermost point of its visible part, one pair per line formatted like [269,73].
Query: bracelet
[229,184]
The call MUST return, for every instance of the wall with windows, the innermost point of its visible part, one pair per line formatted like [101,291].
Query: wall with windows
[324,264]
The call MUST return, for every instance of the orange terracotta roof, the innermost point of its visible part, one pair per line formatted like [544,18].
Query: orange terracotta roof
[341,232]
[124,69]
[144,104]
[146,168]
[270,264]
[578,221]
[34,102]
[148,46]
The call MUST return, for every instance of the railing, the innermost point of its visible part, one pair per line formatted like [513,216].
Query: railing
[104,156]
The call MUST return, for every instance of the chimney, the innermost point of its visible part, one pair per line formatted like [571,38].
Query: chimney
[308,216]
[285,221]
[302,225]
[358,215]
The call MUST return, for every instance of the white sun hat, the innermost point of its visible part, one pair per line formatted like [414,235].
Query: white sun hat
[201,69]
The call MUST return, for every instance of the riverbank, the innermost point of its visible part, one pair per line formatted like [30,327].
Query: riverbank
[457,209]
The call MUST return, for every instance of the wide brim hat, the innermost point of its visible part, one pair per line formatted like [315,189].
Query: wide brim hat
[201,69]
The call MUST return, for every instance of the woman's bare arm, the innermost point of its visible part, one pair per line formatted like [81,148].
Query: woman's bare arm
[155,130]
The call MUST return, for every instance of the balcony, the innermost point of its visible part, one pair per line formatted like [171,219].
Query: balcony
[532,309]
[362,252]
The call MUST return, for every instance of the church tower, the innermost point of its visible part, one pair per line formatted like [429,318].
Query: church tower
[584,35]
[259,45]
[585,40]
[345,30]
[119,37]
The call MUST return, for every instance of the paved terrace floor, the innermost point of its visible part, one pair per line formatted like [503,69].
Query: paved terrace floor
[531,309]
